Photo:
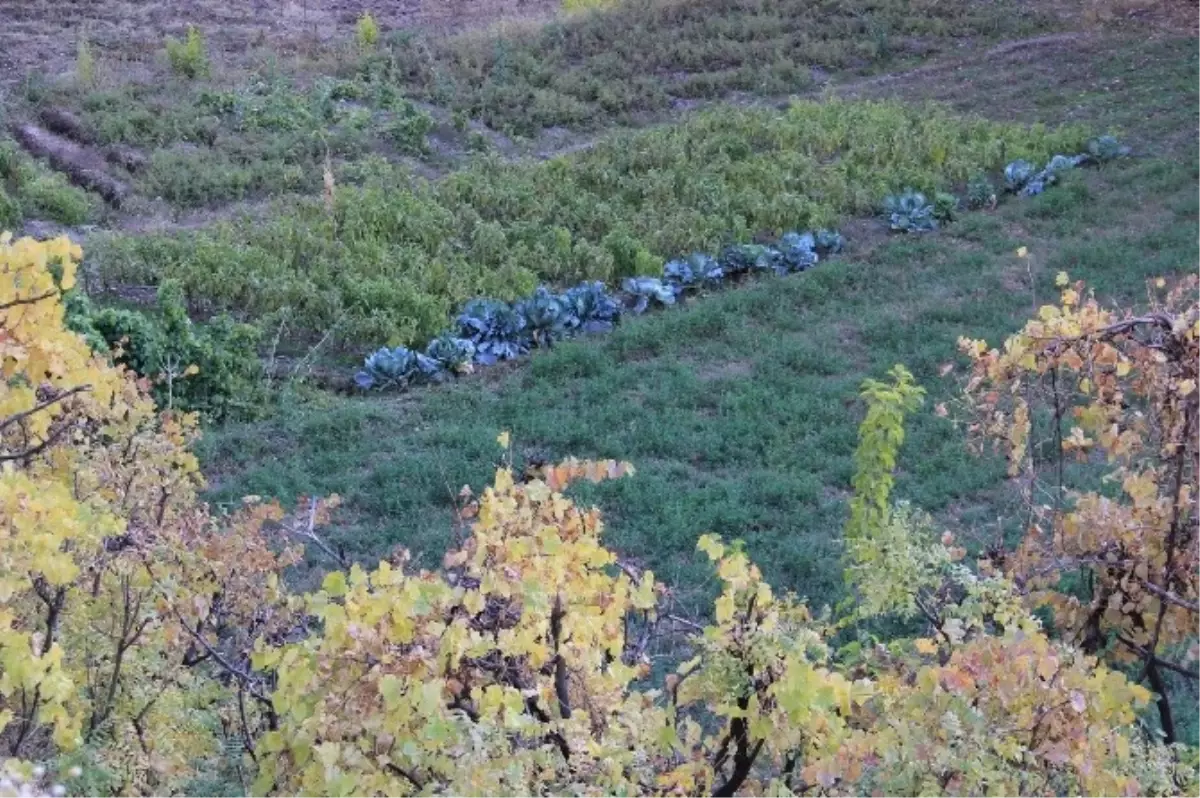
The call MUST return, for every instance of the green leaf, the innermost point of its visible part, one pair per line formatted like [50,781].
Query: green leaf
[334,583]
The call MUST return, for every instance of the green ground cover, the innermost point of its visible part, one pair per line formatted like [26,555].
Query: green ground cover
[399,255]
[740,409]
[644,56]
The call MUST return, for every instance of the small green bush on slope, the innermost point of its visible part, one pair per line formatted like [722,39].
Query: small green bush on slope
[399,254]
[29,189]
[211,368]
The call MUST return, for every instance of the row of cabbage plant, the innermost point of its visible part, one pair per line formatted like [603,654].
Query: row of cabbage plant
[911,212]
[489,330]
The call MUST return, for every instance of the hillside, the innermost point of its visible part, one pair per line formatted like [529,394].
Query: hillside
[364,241]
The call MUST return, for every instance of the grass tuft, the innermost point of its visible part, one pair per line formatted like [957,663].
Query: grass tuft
[188,58]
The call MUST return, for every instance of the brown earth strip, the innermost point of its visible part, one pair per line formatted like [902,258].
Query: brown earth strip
[84,166]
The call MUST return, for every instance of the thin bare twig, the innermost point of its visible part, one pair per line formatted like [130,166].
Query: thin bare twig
[29,300]
[41,447]
[24,414]
[685,622]
[309,532]
[248,682]
[561,692]
[1171,666]
[392,767]
[1170,597]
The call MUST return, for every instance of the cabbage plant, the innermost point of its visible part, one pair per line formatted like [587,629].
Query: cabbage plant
[590,308]
[829,242]
[396,368]
[797,252]
[545,317]
[695,269]
[646,290]
[1107,148]
[1017,174]
[453,354]
[497,330]
[909,212]
[739,259]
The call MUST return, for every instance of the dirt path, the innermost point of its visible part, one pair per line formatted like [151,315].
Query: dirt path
[1005,72]
[1002,51]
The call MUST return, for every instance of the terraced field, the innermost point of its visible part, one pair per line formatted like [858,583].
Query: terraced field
[298,193]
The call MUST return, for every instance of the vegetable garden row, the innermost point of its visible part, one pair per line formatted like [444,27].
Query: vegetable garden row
[391,260]
[491,330]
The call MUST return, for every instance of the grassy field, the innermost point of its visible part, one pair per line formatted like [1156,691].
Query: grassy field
[1141,84]
[740,410]
[647,56]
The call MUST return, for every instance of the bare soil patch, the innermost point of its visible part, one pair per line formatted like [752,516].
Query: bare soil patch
[42,34]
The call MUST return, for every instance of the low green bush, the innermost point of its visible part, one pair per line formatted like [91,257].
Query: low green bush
[52,197]
[981,193]
[400,254]
[366,31]
[407,129]
[10,211]
[211,368]
[30,189]
[200,177]
[10,161]
[189,57]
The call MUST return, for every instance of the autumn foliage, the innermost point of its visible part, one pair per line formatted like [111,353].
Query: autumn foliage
[1117,396]
[150,642]
[113,576]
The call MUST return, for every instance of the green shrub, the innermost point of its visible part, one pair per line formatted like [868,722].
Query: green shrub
[981,193]
[227,377]
[51,196]
[401,254]
[201,177]
[133,337]
[366,31]
[85,63]
[188,58]
[408,128]
[945,206]
[211,368]
[10,158]
[10,212]
[477,142]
